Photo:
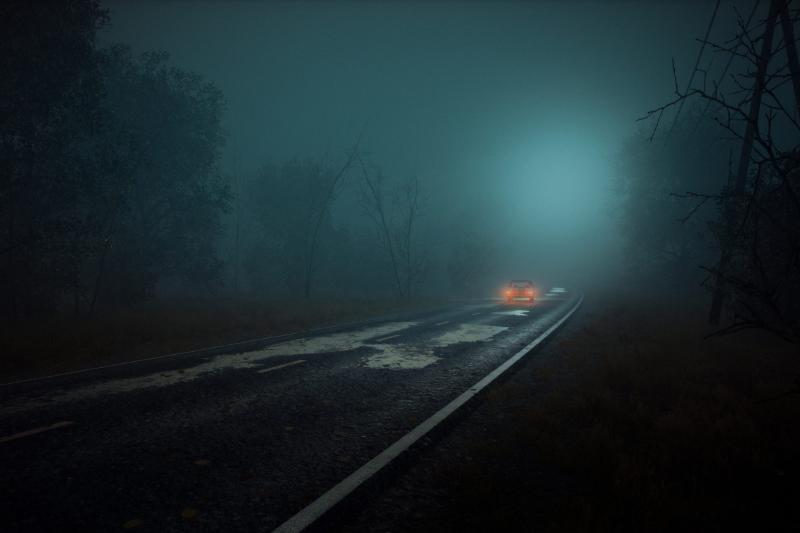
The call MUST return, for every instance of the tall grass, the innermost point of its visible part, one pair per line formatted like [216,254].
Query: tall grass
[638,424]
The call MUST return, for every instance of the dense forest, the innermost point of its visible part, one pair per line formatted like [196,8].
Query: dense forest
[110,167]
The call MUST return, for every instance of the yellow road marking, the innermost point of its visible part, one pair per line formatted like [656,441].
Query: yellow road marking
[30,432]
[284,365]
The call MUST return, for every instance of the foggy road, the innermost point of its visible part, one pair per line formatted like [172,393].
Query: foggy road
[240,441]
[180,174]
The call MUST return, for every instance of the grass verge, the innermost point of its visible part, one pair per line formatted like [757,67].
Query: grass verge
[628,421]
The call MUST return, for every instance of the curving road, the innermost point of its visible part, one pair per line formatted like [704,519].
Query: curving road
[240,441]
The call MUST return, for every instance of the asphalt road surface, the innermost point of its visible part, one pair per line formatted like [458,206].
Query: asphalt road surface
[240,441]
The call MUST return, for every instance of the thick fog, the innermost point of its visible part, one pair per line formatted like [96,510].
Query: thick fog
[378,149]
[305,256]
[511,114]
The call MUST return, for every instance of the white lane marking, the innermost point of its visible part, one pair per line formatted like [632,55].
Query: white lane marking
[36,431]
[413,356]
[515,312]
[284,365]
[387,338]
[330,343]
[316,509]
[475,314]
[442,323]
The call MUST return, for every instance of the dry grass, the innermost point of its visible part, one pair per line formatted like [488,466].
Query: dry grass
[637,424]
[168,327]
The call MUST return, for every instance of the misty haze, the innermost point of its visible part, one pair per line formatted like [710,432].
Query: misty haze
[399,265]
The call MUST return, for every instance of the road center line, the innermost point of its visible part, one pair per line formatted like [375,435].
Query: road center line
[387,338]
[442,323]
[30,432]
[284,365]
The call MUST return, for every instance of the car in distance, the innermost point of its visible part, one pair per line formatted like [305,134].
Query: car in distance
[519,290]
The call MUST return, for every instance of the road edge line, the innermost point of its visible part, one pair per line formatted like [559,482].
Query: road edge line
[335,495]
[35,431]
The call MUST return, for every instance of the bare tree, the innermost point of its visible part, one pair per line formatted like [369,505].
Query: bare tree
[329,183]
[758,271]
[293,203]
[412,259]
[396,217]
[738,189]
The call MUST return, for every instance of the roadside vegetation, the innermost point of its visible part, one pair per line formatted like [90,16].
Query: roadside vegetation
[633,422]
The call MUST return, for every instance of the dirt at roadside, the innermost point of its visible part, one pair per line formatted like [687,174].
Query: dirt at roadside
[626,421]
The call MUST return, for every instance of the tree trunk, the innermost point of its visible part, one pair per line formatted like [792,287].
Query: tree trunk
[791,50]
[323,210]
[376,193]
[720,286]
[695,69]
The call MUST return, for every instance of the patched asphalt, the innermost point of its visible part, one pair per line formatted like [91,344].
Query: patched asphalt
[210,443]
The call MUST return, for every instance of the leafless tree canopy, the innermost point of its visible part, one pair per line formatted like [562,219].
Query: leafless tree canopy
[395,213]
[756,102]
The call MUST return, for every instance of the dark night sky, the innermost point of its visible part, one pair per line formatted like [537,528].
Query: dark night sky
[510,112]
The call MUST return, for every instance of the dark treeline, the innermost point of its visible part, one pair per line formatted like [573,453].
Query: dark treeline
[113,191]
[112,187]
[713,198]
[667,239]
[110,166]
[289,245]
